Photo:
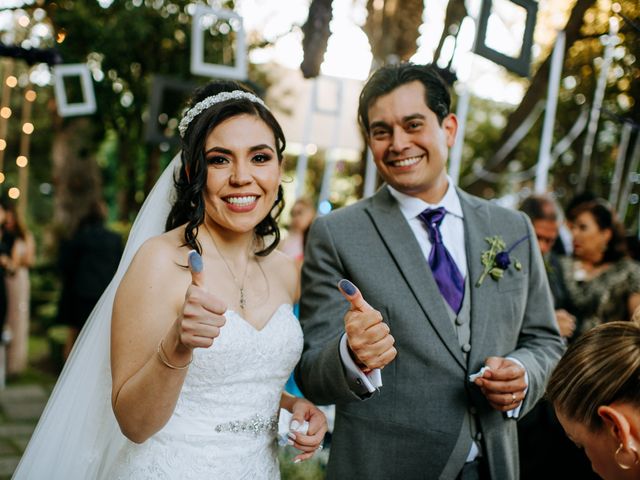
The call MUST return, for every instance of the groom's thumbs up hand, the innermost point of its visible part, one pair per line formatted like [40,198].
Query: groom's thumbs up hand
[368,336]
[202,313]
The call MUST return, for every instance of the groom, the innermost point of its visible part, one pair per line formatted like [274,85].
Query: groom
[443,284]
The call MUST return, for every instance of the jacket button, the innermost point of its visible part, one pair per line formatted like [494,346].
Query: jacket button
[466,348]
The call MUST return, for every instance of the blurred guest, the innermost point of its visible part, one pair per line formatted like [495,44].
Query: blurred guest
[595,390]
[4,259]
[545,217]
[633,245]
[564,244]
[577,200]
[540,435]
[302,214]
[602,281]
[87,262]
[21,256]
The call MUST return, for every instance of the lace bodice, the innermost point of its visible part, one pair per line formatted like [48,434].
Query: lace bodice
[223,424]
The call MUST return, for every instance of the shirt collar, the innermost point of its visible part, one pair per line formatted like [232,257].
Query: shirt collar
[411,207]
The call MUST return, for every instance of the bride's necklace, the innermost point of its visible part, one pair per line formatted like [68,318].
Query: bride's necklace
[239,285]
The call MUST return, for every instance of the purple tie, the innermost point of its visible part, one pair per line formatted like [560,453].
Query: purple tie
[445,271]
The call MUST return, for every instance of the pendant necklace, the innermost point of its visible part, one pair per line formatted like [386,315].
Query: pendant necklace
[243,299]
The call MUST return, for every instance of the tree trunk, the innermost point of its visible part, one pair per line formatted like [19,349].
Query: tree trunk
[455,13]
[316,37]
[127,205]
[393,30]
[152,172]
[76,175]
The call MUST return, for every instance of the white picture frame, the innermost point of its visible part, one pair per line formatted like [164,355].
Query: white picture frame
[66,109]
[198,65]
[319,102]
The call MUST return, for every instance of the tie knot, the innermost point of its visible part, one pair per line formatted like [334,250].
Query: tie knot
[432,218]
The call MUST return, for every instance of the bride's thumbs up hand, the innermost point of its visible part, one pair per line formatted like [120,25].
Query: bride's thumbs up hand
[202,314]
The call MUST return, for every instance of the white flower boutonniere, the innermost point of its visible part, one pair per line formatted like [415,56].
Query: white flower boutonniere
[496,260]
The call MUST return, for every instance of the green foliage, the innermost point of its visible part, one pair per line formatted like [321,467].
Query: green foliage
[312,469]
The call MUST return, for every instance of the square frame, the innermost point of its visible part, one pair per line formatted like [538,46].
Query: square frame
[317,105]
[66,109]
[198,65]
[159,86]
[519,65]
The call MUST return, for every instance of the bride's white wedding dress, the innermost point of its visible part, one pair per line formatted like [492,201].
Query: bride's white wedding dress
[225,422]
[220,427]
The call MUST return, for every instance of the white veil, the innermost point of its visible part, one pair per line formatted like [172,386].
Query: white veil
[77,436]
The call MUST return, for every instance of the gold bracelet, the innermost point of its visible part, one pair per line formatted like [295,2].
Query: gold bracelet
[163,358]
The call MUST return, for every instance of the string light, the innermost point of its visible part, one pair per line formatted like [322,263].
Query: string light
[22,161]
[27,128]
[1,177]
[61,35]
[12,81]
[5,112]
[3,144]
[30,95]
[14,192]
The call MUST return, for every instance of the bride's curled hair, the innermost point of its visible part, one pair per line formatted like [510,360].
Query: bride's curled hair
[188,207]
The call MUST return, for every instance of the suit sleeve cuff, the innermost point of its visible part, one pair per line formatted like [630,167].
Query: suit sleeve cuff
[515,413]
[361,382]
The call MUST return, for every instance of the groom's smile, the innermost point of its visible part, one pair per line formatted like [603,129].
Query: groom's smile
[410,145]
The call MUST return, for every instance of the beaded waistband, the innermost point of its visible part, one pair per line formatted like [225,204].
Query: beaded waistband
[255,425]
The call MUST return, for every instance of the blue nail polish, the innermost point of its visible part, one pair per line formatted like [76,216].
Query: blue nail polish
[195,262]
[347,287]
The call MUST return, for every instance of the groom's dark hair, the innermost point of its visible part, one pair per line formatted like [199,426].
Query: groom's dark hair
[390,77]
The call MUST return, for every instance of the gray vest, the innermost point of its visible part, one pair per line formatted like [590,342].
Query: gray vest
[469,431]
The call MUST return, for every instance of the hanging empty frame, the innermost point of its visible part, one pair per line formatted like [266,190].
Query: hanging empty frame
[168,96]
[505,33]
[66,108]
[226,28]
[327,96]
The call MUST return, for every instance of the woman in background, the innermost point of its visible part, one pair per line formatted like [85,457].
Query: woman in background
[302,214]
[603,283]
[21,256]
[595,390]
[87,263]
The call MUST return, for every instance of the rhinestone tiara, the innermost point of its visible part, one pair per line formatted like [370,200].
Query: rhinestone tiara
[202,105]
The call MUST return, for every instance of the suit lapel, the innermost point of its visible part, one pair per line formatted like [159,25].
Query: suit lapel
[477,226]
[405,251]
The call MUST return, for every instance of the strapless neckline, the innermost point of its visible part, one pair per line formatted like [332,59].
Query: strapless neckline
[266,324]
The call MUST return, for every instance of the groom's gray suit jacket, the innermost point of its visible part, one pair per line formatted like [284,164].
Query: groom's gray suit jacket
[411,428]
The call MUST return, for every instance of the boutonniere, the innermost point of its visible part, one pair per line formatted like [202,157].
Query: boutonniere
[496,260]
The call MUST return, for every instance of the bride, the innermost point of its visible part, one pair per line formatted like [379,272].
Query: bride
[203,336]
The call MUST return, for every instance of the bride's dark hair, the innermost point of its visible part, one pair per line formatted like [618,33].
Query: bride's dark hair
[188,206]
